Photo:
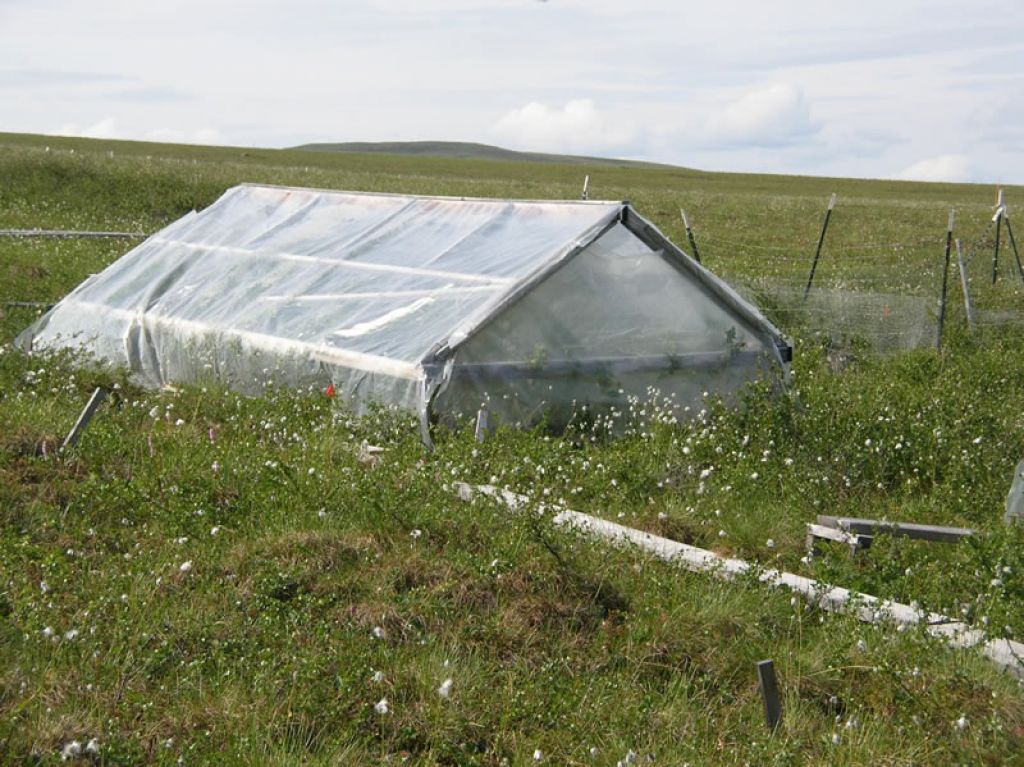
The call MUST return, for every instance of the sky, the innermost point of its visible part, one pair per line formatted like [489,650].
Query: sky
[908,89]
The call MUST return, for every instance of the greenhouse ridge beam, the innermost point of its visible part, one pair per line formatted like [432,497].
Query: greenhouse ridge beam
[338,262]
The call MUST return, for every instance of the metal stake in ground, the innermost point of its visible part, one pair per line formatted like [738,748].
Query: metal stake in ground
[821,241]
[689,236]
[945,278]
[586,188]
[1013,243]
[83,420]
[968,306]
[769,693]
[480,433]
[998,219]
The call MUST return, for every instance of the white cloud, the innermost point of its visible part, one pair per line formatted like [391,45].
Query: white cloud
[945,167]
[177,136]
[577,127]
[772,116]
[105,128]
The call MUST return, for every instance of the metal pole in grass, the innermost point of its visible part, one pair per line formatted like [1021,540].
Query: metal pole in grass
[821,241]
[968,306]
[689,236]
[769,693]
[586,188]
[1013,244]
[945,278]
[998,219]
[480,431]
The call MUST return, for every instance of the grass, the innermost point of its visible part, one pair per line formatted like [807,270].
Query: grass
[210,578]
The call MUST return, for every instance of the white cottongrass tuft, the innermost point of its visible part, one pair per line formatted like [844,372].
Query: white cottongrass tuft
[961,723]
[378,677]
[538,755]
[416,533]
[71,750]
[92,747]
[381,706]
[770,543]
[185,566]
[378,632]
[445,689]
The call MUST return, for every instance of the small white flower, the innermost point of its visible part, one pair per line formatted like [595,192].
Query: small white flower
[961,723]
[788,462]
[378,632]
[215,530]
[124,597]
[185,566]
[755,476]
[538,755]
[381,706]
[179,422]
[977,441]
[47,632]
[445,689]
[415,533]
[594,751]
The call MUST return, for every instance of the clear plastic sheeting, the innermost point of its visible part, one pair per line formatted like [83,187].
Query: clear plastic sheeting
[414,301]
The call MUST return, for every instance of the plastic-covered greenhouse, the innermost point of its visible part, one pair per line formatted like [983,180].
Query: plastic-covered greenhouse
[437,305]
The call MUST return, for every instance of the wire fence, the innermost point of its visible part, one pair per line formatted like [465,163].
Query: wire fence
[876,295]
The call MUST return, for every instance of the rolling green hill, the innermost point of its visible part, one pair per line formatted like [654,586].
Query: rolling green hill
[468,151]
[213,579]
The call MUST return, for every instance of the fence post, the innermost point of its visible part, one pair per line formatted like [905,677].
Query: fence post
[689,236]
[968,306]
[821,241]
[998,218]
[945,278]
[769,693]
[586,188]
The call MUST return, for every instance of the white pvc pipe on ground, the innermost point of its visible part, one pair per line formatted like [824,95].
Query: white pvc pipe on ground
[1006,654]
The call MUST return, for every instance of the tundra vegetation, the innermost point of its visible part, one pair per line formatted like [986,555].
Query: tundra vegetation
[210,578]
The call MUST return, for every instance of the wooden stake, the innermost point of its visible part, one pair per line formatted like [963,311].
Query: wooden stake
[689,236]
[769,693]
[945,279]
[821,241]
[83,420]
[968,306]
